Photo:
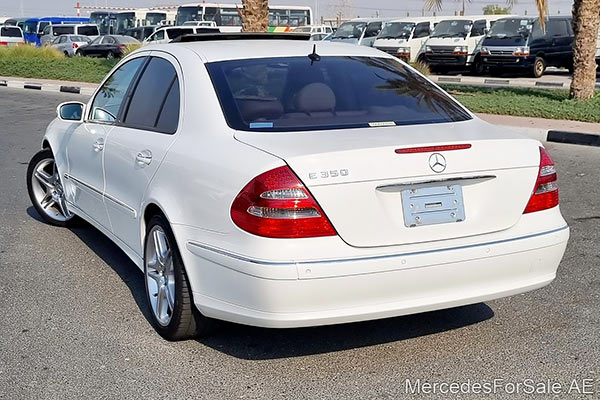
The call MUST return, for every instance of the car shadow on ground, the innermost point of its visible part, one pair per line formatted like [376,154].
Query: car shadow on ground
[251,343]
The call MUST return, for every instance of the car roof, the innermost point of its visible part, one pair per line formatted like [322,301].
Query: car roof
[224,50]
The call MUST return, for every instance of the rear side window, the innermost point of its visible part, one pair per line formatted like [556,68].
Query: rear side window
[10,32]
[155,101]
[58,30]
[88,30]
[295,94]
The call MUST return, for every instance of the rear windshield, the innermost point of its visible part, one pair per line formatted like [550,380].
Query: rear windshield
[88,30]
[63,30]
[10,32]
[296,94]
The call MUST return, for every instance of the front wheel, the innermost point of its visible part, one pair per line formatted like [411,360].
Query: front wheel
[539,67]
[46,191]
[167,287]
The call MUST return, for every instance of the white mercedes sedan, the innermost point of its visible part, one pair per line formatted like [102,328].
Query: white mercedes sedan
[275,182]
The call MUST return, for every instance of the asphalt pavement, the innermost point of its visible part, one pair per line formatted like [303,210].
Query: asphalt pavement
[74,323]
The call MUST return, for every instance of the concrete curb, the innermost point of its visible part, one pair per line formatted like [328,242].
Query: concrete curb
[48,87]
[549,135]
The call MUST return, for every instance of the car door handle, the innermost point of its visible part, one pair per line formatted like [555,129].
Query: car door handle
[144,157]
[98,145]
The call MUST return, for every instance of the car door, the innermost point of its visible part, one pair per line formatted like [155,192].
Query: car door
[137,145]
[559,41]
[85,146]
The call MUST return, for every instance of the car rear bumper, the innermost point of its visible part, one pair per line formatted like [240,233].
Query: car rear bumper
[286,294]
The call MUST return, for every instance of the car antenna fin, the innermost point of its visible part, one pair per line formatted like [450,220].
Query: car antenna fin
[314,56]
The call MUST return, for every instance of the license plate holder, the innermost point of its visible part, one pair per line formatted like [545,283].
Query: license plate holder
[432,205]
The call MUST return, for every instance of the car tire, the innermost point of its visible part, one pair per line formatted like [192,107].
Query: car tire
[168,291]
[539,67]
[477,68]
[110,55]
[45,189]
[67,54]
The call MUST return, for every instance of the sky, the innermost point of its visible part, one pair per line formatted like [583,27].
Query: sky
[325,8]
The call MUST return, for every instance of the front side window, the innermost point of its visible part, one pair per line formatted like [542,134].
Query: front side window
[155,101]
[43,26]
[296,94]
[47,30]
[422,30]
[373,29]
[479,28]
[160,35]
[107,102]
[109,40]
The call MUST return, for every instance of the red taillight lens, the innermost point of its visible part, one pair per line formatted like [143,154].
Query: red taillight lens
[545,192]
[276,204]
[3,43]
[429,149]
[122,47]
[75,45]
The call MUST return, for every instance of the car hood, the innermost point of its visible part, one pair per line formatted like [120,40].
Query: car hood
[389,42]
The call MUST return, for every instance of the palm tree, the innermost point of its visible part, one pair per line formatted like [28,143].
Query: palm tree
[586,22]
[255,15]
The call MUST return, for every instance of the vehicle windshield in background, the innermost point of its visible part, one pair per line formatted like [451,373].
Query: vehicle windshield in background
[155,18]
[297,94]
[349,30]
[397,30]
[10,32]
[511,27]
[185,14]
[30,27]
[452,28]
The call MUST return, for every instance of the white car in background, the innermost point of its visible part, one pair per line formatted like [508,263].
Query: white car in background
[11,36]
[167,34]
[273,183]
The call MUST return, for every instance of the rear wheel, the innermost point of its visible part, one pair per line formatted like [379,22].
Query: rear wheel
[539,67]
[46,191]
[110,55]
[67,54]
[169,294]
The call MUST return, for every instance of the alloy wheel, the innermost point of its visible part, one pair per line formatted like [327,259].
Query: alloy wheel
[48,191]
[160,275]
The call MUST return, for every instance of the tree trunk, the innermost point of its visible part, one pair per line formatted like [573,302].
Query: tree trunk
[586,20]
[255,15]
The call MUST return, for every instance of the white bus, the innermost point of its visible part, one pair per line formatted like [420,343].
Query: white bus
[228,16]
[143,17]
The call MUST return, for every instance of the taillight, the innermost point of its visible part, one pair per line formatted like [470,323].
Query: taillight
[75,45]
[122,47]
[545,192]
[3,43]
[276,204]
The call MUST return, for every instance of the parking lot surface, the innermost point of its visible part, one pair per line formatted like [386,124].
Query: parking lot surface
[75,323]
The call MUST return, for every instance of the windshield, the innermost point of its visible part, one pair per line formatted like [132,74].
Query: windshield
[511,27]
[397,30]
[30,27]
[298,94]
[125,21]
[452,28]
[185,14]
[155,18]
[349,30]
[104,21]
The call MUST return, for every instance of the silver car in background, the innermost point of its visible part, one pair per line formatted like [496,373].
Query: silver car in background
[69,44]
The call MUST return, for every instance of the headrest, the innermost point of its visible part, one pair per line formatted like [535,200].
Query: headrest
[315,97]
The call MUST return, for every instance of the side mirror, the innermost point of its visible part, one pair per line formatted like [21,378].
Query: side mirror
[71,111]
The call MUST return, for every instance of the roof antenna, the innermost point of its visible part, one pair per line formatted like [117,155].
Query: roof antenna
[314,56]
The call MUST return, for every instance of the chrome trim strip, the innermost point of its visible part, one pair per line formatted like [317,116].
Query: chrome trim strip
[381,257]
[120,203]
[401,186]
[107,196]
[82,183]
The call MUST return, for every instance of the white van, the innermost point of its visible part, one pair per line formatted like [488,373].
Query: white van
[455,40]
[313,29]
[405,37]
[51,32]
[11,36]
[362,31]
[165,35]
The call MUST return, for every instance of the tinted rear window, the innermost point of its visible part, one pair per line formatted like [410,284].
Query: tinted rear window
[10,32]
[291,94]
[88,30]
